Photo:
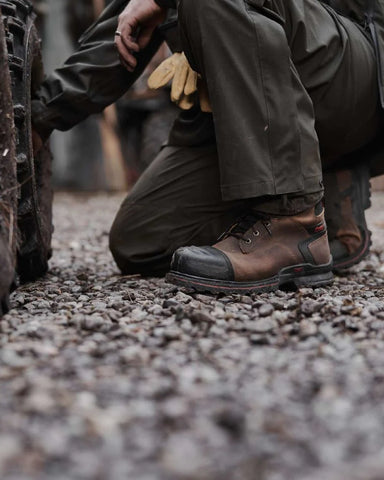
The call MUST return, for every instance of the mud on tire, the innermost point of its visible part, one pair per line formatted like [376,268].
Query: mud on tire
[8,182]
[33,174]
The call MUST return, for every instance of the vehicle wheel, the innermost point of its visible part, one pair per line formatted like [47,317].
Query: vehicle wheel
[8,182]
[33,174]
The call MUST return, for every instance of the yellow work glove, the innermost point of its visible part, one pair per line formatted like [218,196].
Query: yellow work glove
[185,82]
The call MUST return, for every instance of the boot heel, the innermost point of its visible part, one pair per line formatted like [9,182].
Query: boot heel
[321,280]
[305,275]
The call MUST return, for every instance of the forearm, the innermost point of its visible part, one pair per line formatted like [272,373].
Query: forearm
[91,79]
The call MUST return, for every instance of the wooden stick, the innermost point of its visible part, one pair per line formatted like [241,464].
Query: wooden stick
[114,164]
[98,7]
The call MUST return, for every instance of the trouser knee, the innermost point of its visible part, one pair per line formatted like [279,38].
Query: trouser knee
[120,248]
[135,248]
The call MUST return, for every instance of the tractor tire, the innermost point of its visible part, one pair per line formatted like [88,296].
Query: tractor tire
[33,173]
[8,182]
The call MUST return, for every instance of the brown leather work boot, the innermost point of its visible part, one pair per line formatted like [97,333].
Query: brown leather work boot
[347,196]
[259,254]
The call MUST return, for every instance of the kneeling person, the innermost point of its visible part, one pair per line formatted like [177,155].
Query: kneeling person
[281,104]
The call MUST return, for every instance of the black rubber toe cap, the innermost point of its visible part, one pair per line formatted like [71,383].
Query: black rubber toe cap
[206,262]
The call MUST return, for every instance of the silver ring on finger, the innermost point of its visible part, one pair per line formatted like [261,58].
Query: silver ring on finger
[117,33]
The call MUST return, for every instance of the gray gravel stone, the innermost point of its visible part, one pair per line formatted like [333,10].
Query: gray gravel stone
[307,328]
[263,325]
[266,310]
[104,376]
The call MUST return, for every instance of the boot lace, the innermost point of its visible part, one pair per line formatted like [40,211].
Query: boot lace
[246,222]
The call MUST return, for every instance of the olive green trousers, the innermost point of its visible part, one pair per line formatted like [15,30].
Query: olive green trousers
[291,83]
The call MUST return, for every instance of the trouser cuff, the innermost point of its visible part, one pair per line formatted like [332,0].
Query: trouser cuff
[288,204]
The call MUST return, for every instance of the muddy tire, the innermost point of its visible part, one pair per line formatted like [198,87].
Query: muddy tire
[33,174]
[8,182]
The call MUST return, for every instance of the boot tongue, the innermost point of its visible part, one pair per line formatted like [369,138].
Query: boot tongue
[243,224]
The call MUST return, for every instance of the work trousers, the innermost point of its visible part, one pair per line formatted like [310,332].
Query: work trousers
[291,83]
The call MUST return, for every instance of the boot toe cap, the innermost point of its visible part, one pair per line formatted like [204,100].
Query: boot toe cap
[205,262]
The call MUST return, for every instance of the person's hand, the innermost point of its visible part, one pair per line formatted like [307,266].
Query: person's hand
[185,82]
[136,25]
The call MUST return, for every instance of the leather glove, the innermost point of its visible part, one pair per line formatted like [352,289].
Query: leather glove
[185,82]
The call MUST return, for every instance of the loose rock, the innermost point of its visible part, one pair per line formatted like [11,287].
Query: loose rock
[104,376]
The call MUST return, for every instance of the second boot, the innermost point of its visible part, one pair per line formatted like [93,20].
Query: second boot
[347,196]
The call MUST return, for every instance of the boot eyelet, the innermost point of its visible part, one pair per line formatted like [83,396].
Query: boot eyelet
[268,224]
[248,241]
[256,234]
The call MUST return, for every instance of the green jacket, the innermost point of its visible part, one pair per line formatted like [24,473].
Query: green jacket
[369,14]
[166,3]
[93,78]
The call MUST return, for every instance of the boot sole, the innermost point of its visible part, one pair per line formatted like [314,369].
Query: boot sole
[289,278]
[357,257]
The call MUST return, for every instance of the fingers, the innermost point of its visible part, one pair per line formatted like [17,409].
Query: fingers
[180,79]
[185,79]
[163,73]
[185,82]
[145,36]
[186,102]
[191,83]
[136,25]
[126,56]
[126,44]
[130,44]
[205,103]
[160,78]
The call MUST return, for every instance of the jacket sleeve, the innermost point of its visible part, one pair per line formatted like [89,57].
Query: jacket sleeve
[91,79]
[355,10]
[166,3]
[370,15]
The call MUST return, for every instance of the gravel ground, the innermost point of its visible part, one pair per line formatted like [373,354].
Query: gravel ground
[104,377]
